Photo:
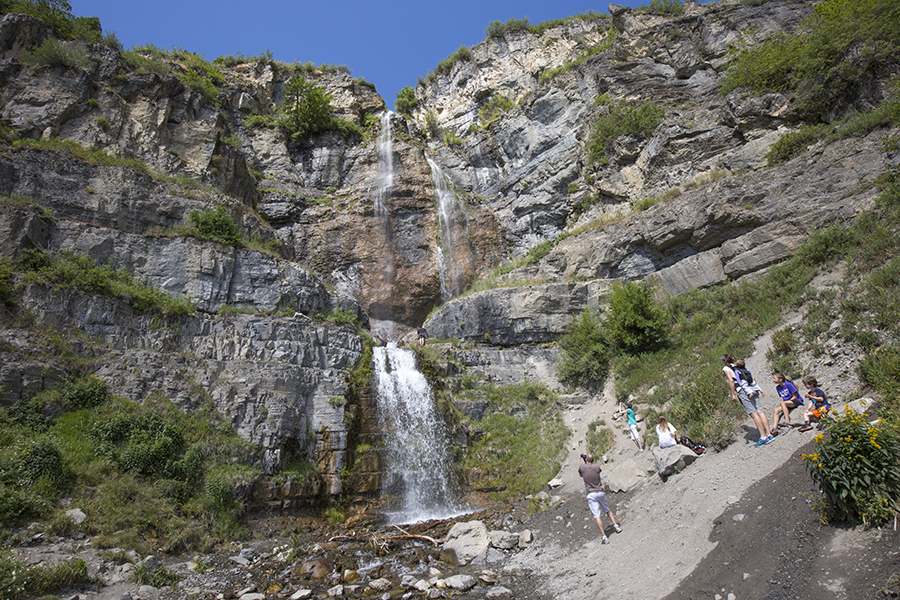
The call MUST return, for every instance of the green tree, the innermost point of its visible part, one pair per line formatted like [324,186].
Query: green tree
[406,101]
[306,109]
[585,352]
[635,323]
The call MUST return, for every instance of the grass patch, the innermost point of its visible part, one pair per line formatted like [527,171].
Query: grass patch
[600,438]
[18,579]
[522,442]
[68,270]
[621,119]
[148,476]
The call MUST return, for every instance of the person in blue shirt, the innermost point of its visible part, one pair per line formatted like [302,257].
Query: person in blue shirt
[818,401]
[790,399]
[632,424]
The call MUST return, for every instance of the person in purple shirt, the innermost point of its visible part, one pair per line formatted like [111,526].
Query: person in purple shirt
[790,399]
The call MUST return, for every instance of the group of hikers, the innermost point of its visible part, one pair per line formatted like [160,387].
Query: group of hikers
[744,390]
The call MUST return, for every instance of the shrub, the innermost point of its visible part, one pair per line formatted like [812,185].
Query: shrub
[7,289]
[87,392]
[160,577]
[147,64]
[406,101]
[493,109]
[496,28]
[857,468]
[621,119]
[86,29]
[217,225]
[664,7]
[54,53]
[585,355]
[41,459]
[254,121]
[306,109]
[635,323]
[29,413]
[200,84]
[147,444]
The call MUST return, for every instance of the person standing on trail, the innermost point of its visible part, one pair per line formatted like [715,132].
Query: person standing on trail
[745,391]
[632,425]
[596,497]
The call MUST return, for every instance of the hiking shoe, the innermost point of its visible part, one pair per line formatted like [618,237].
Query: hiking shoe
[806,427]
[784,424]
[760,442]
[771,438]
[617,528]
[604,540]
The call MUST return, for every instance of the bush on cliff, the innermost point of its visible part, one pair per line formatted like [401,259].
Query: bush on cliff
[835,49]
[634,324]
[621,119]
[70,270]
[307,109]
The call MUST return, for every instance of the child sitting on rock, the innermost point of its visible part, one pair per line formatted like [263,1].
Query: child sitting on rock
[818,403]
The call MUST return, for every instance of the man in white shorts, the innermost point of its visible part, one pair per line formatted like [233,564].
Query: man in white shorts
[596,497]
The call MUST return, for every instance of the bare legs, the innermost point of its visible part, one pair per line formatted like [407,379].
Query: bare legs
[600,522]
[762,424]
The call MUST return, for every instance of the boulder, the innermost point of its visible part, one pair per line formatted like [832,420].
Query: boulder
[625,476]
[464,542]
[672,460]
[503,540]
[461,582]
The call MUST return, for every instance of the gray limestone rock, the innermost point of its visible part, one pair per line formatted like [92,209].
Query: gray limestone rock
[672,460]
[465,541]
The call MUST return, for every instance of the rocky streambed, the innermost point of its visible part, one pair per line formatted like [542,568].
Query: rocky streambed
[305,557]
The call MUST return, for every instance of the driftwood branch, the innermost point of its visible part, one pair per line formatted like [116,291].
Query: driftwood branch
[375,538]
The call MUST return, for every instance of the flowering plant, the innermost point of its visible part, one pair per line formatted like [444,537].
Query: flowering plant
[857,468]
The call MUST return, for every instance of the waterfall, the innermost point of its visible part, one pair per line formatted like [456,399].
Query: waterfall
[385,144]
[416,477]
[451,278]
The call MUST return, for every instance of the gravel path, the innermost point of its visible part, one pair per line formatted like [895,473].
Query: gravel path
[672,531]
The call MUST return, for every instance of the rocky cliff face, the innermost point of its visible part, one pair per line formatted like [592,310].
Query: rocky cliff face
[358,223]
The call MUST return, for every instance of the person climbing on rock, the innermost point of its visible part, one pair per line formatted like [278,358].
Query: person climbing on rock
[596,497]
[632,425]
[422,335]
[745,391]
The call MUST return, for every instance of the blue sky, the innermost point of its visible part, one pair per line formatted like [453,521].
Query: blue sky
[390,44]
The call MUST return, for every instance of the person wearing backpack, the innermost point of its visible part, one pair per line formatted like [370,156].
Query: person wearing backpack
[747,392]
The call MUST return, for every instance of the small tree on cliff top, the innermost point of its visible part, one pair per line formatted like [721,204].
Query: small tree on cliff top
[306,110]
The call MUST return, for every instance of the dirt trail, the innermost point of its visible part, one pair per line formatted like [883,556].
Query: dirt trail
[670,529]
